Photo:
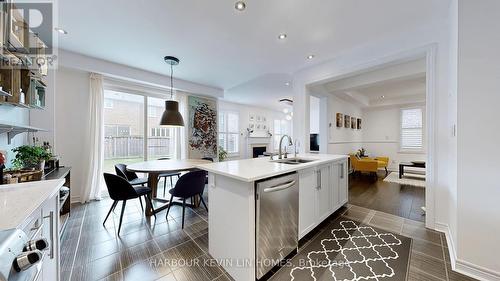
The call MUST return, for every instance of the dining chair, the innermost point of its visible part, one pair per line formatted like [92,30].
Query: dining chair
[187,186]
[167,175]
[121,170]
[131,177]
[120,189]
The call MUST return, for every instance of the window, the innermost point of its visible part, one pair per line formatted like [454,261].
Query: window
[152,111]
[229,131]
[129,136]
[123,129]
[280,128]
[411,129]
[108,104]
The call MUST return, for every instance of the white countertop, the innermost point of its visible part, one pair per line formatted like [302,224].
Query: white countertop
[250,170]
[19,201]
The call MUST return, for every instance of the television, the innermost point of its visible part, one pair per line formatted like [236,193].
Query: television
[314,142]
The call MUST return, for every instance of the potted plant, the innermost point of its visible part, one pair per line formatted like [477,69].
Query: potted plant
[222,153]
[30,157]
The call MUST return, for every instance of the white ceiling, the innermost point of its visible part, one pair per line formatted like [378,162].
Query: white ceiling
[221,47]
[398,84]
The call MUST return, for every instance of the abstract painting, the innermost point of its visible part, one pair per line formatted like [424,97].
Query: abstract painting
[202,130]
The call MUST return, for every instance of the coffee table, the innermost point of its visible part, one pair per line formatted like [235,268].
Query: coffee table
[409,164]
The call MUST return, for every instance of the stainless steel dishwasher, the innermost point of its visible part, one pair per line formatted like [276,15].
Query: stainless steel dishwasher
[277,215]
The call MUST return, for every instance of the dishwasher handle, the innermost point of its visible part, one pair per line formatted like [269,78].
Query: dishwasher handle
[280,187]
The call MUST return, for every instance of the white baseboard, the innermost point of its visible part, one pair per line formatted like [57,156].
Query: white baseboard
[462,266]
[75,199]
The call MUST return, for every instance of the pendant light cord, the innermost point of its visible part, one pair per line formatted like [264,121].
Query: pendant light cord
[171,82]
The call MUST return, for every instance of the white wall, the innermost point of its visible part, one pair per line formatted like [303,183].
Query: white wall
[478,135]
[72,124]
[17,115]
[381,132]
[314,115]
[244,112]
[343,140]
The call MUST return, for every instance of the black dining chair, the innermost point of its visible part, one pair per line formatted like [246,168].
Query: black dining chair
[121,190]
[188,185]
[168,175]
[133,179]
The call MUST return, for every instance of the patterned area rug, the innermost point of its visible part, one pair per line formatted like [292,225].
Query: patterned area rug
[350,251]
[408,179]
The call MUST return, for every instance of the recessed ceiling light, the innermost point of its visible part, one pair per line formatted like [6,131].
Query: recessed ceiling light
[382,97]
[240,6]
[310,57]
[288,117]
[282,36]
[60,30]
[287,83]
[285,110]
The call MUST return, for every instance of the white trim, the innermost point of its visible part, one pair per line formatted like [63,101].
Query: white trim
[464,267]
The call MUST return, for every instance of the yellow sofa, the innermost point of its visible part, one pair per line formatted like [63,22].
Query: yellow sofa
[368,164]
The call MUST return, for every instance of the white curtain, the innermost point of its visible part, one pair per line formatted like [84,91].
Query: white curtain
[93,172]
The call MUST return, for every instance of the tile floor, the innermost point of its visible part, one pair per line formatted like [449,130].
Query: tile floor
[146,248]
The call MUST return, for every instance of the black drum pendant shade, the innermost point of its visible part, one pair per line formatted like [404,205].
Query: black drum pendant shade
[171,116]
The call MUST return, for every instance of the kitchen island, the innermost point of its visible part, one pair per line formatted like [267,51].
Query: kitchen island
[259,208]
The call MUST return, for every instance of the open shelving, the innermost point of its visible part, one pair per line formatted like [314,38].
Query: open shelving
[13,129]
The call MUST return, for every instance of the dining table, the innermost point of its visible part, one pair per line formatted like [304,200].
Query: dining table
[156,167]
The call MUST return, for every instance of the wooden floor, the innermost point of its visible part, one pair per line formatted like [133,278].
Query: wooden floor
[400,200]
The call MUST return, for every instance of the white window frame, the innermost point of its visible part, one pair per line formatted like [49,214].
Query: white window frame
[226,132]
[281,133]
[402,149]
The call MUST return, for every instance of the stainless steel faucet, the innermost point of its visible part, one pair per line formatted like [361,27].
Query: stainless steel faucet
[297,144]
[281,142]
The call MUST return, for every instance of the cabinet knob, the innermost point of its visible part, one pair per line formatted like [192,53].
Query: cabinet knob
[38,244]
[27,260]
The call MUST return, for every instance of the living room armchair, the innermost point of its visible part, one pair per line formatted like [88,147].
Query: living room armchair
[363,164]
[368,164]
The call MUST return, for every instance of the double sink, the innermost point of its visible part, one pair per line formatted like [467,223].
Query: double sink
[293,161]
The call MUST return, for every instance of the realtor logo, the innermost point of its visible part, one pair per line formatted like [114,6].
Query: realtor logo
[27,32]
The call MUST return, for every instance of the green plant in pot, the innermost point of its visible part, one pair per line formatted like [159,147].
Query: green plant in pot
[222,153]
[30,157]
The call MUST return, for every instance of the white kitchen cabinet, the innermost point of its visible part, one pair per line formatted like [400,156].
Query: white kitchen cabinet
[343,183]
[324,194]
[322,191]
[50,215]
[334,186]
[308,189]
[338,177]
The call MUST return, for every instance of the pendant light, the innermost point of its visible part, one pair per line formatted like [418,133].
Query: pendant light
[171,116]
